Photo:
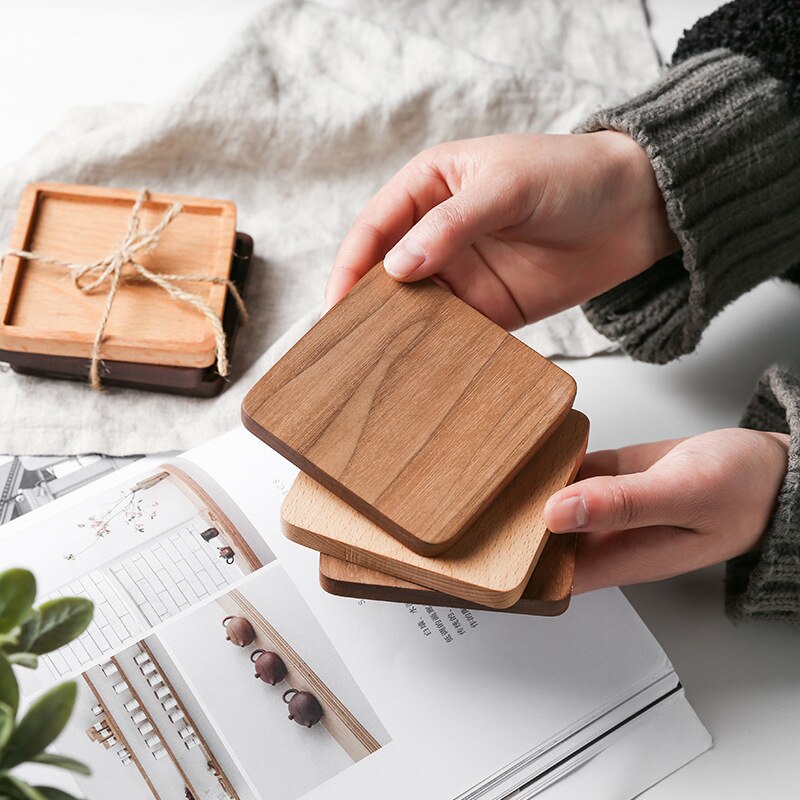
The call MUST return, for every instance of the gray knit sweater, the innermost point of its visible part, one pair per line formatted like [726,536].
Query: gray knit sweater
[722,130]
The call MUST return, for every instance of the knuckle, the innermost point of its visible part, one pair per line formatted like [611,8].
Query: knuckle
[509,190]
[426,162]
[696,507]
[623,505]
[368,230]
[449,223]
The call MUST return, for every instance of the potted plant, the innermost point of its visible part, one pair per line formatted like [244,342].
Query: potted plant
[27,632]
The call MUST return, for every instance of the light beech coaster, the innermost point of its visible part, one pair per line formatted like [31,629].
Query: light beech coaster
[490,565]
[411,406]
[547,594]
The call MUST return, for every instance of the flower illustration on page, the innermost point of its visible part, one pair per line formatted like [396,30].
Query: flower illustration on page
[129,507]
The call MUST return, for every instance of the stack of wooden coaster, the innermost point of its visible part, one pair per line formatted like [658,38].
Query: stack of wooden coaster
[429,440]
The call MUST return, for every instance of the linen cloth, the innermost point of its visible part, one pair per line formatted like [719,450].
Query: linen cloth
[311,109]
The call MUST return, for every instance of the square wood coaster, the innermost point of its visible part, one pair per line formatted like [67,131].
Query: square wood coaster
[547,594]
[41,310]
[410,406]
[490,565]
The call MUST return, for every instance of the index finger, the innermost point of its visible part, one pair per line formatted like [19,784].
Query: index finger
[391,213]
[625,460]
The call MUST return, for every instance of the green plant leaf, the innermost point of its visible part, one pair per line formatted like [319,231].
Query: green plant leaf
[28,631]
[51,793]
[6,724]
[62,620]
[21,789]
[8,790]
[9,688]
[65,762]
[37,730]
[28,660]
[17,593]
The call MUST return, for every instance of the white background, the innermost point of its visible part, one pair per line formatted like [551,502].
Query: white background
[741,679]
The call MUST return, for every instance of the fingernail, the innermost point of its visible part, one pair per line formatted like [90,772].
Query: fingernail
[569,514]
[403,259]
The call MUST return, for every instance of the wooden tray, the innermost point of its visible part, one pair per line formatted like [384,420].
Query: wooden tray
[411,406]
[547,594]
[41,311]
[490,565]
[192,381]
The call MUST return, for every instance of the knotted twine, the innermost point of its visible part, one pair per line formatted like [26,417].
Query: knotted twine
[110,268]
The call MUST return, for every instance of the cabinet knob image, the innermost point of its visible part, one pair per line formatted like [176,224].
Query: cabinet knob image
[240,631]
[269,666]
[227,553]
[209,533]
[304,708]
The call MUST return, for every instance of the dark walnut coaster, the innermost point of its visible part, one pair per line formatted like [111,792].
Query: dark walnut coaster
[411,406]
[547,594]
[490,565]
[151,341]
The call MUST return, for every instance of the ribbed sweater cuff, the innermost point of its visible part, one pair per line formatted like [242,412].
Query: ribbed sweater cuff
[766,585]
[725,147]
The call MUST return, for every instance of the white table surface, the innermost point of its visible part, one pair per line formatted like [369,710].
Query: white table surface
[742,679]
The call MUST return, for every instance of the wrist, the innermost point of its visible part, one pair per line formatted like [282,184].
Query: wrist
[639,193]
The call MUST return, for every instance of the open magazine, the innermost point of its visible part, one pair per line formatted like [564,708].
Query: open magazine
[416,701]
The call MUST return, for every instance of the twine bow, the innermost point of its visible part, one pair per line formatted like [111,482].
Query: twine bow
[88,277]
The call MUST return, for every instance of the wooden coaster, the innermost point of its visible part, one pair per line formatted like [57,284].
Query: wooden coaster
[190,381]
[411,406]
[41,310]
[490,565]
[547,594]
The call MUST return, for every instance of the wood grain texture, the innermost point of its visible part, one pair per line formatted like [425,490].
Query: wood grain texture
[41,311]
[547,594]
[411,406]
[490,565]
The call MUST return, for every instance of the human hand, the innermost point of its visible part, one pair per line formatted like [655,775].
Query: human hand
[651,511]
[518,226]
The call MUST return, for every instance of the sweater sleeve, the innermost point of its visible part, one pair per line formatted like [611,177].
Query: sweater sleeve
[766,584]
[722,130]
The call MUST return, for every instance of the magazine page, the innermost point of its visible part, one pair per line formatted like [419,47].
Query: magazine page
[201,605]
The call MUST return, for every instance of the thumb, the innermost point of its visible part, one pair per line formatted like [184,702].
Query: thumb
[450,227]
[622,502]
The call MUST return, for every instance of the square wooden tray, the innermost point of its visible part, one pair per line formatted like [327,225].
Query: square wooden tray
[491,565]
[41,311]
[411,406]
[190,381]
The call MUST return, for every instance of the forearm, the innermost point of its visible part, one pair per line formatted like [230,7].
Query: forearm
[722,131]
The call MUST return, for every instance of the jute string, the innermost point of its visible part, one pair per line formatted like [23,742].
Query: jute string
[110,268]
